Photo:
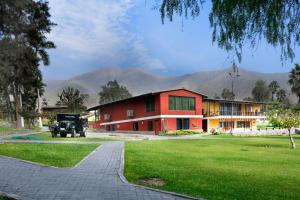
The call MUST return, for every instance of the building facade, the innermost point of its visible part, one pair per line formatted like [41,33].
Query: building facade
[169,110]
[178,109]
[228,116]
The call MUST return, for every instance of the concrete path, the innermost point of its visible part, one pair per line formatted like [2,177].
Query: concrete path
[96,177]
[136,136]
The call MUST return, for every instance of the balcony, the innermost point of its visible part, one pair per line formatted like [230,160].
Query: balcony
[232,113]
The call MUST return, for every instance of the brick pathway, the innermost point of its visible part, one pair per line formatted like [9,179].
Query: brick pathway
[96,177]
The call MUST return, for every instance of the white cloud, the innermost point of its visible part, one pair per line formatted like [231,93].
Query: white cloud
[94,29]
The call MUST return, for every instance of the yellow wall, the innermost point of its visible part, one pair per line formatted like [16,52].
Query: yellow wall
[91,118]
[214,123]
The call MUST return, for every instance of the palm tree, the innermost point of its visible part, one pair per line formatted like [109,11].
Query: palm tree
[294,80]
[273,87]
[72,98]
[281,95]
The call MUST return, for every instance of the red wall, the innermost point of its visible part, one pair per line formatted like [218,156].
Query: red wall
[118,111]
[184,93]
[171,123]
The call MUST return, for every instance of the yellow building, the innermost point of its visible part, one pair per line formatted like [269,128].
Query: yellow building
[231,116]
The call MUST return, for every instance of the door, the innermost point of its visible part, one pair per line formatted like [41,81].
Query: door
[204,125]
[135,126]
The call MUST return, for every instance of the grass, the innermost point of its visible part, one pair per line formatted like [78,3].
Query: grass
[181,132]
[4,129]
[226,135]
[59,155]
[47,137]
[218,169]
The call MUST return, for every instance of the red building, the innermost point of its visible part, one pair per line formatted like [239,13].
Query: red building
[155,112]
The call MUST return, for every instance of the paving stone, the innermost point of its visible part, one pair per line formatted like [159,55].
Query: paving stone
[96,177]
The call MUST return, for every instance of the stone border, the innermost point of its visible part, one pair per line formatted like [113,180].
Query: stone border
[124,180]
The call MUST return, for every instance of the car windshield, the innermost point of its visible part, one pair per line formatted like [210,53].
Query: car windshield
[68,118]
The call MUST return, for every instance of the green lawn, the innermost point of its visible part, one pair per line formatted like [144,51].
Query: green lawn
[47,136]
[227,135]
[4,129]
[59,155]
[218,169]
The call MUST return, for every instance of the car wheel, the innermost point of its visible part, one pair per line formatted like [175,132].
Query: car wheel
[63,135]
[53,134]
[73,133]
[83,134]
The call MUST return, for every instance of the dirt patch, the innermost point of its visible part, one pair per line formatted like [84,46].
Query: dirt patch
[152,182]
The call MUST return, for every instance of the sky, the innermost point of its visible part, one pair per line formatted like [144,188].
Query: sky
[96,34]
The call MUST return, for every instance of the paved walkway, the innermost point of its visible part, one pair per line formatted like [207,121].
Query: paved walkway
[96,177]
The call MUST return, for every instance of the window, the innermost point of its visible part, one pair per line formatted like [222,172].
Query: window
[150,125]
[230,108]
[181,103]
[226,124]
[135,126]
[243,124]
[248,108]
[182,124]
[150,104]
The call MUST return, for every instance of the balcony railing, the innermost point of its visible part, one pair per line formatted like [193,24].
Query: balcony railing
[232,113]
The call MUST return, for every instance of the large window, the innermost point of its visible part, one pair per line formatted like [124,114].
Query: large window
[230,109]
[181,103]
[150,104]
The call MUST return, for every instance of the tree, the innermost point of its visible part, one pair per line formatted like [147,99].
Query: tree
[260,91]
[294,80]
[44,102]
[285,118]
[112,91]
[273,87]
[227,94]
[281,95]
[23,29]
[216,96]
[235,23]
[248,99]
[73,99]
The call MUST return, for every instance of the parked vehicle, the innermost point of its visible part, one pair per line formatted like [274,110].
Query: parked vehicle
[69,124]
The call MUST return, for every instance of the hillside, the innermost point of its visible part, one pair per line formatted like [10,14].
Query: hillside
[138,81]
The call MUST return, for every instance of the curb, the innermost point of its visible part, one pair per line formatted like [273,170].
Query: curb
[124,180]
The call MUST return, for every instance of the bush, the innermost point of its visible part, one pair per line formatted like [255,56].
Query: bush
[181,132]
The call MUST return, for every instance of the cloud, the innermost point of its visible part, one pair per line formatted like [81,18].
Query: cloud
[95,30]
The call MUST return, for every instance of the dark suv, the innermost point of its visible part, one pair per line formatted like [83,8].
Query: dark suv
[69,123]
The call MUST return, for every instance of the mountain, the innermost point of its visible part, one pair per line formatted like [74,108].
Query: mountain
[139,81]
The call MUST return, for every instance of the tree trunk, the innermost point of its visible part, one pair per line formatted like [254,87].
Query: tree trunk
[292,140]
[18,107]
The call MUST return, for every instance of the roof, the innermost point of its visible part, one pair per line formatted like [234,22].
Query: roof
[232,101]
[142,95]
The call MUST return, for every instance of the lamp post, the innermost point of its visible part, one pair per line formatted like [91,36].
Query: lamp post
[234,74]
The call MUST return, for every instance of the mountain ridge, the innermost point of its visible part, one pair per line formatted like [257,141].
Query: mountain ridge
[139,80]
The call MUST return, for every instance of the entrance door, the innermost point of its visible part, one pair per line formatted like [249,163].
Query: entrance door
[204,125]
[182,123]
[135,126]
